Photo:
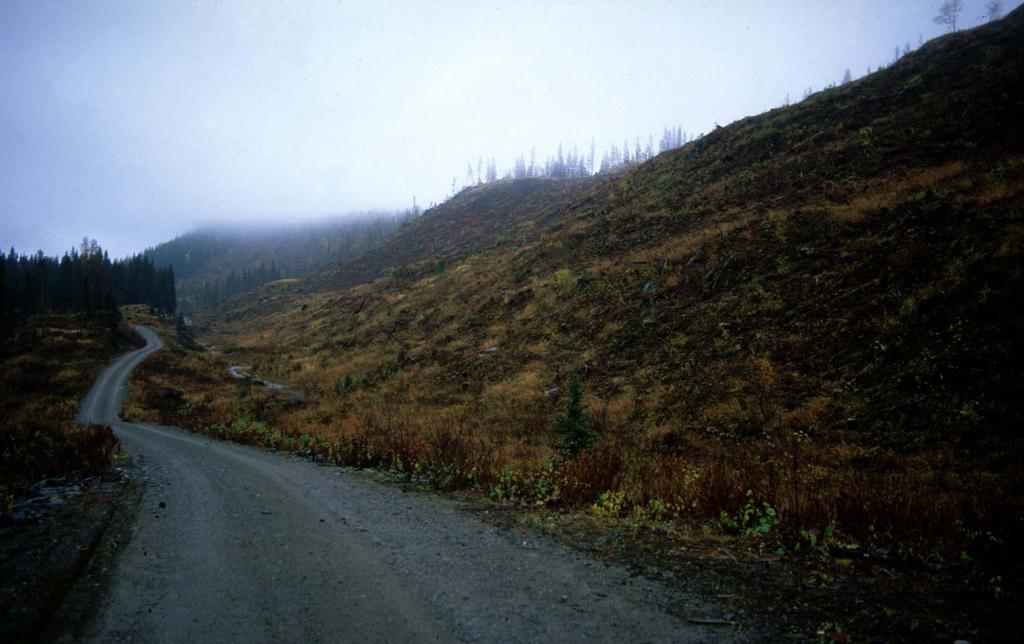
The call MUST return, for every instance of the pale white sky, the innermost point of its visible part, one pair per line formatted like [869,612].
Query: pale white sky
[132,122]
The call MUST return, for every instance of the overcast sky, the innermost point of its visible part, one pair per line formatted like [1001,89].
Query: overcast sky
[132,122]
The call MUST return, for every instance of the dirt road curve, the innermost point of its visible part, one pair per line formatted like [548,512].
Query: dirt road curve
[242,545]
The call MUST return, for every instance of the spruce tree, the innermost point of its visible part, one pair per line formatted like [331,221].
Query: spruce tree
[572,428]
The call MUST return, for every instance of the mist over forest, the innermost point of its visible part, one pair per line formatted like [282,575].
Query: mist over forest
[220,260]
[137,124]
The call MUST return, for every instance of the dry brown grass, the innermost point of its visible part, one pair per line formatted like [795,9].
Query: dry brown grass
[496,441]
[893,191]
[682,248]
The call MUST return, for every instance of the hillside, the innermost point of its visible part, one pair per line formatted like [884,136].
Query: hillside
[477,219]
[802,327]
[843,267]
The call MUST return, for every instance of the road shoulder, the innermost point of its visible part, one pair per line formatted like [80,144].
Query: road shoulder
[55,566]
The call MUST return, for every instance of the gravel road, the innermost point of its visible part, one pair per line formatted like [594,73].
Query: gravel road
[238,544]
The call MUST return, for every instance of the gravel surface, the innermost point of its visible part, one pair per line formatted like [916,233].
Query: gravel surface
[238,544]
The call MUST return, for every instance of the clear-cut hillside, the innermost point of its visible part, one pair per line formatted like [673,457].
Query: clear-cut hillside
[817,307]
[477,219]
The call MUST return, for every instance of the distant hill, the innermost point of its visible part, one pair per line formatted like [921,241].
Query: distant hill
[219,261]
[817,308]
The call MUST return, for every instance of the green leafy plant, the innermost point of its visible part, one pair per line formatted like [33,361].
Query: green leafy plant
[609,504]
[753,520]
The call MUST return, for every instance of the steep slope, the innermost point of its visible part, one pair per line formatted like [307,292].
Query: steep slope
[476,219]
[814,311]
